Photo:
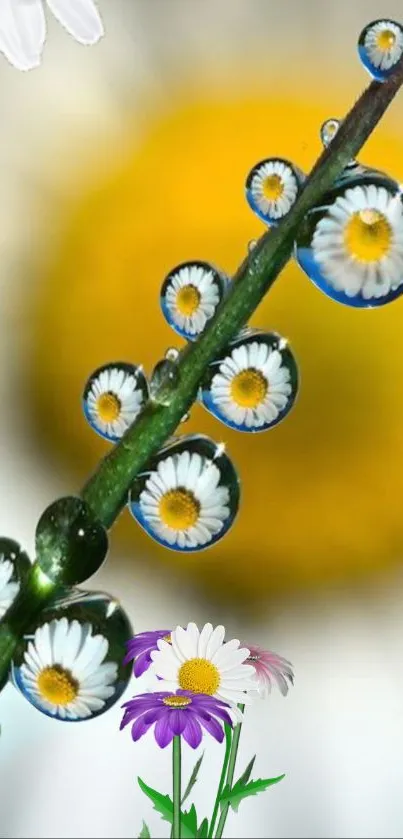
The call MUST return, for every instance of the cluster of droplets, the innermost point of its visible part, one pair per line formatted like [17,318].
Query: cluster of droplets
[68,663]
[188,495]
[351,244]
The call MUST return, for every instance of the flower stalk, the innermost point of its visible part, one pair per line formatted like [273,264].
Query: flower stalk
[228,743]
[230,776]
[176,791]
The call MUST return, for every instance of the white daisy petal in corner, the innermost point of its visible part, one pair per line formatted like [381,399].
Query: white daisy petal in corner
[9,586]
[272,188]
[380,47]
[113,397]
[189,498]
[254,386]
[202,663]
[64,673]
[23,27]
[357,246]
[190,295]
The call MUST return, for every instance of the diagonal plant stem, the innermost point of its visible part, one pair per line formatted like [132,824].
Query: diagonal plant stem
[230,776]
[228,743]
[106,491]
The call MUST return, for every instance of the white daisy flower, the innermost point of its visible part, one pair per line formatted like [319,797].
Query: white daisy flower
[190,296]
[252,387]
[381,46]
[202,663]
[113,397]
[64,673]
[23,27]
[185,502]
[9,588]
[272,187]
[358,243]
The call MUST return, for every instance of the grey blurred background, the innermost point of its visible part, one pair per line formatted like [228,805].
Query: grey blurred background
[339,734]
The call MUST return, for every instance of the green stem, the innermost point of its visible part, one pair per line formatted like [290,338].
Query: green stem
[228,742]
[230,776]
[106,491]
[176,792]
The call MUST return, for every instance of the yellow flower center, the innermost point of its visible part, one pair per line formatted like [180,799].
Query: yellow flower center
[249,388]
[108,407]
[368,235]
[57,685]
[179,509]
[273,187]
[177,701]
[167,638]
[386,40]
[187,300]
[199,676]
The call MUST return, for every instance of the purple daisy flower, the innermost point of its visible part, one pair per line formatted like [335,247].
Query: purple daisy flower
[180,713]
[140,647]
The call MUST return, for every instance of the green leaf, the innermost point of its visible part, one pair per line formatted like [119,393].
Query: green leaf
[164,806]
[145,833]
[238,792]
[243,780]
[192,779]
[202,832]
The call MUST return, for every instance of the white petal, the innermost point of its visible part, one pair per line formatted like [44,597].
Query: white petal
[215,642]
[22,32]
[204,640]
[80,18]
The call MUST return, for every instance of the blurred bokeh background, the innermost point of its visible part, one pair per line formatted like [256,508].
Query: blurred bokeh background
[116,163]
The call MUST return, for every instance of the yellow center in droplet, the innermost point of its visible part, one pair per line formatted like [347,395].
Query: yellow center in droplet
[177,701]
[57,685]
[386,40]
[187,300]
[273,187]
[199,676]
[108,407]
[179,509]
[249,388]
[368,235]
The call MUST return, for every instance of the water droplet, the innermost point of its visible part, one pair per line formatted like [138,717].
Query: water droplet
[178,518]
[186,417]
[71,544]
[68,631]
[350,245]
[14,567]
[164,380]
[190,295]
[113,397]
[272,187]
[251,245]
[252,386]
[172,354]
[329,130]
[380,47]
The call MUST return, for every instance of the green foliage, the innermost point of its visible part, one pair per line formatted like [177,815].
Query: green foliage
[192,779]
[163,804]
[240,790]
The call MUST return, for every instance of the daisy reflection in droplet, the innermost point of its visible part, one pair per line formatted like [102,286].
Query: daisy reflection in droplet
[64,673]
[358,244]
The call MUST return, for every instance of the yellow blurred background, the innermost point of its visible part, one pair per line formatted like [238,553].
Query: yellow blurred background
[322,492]
[118,162]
